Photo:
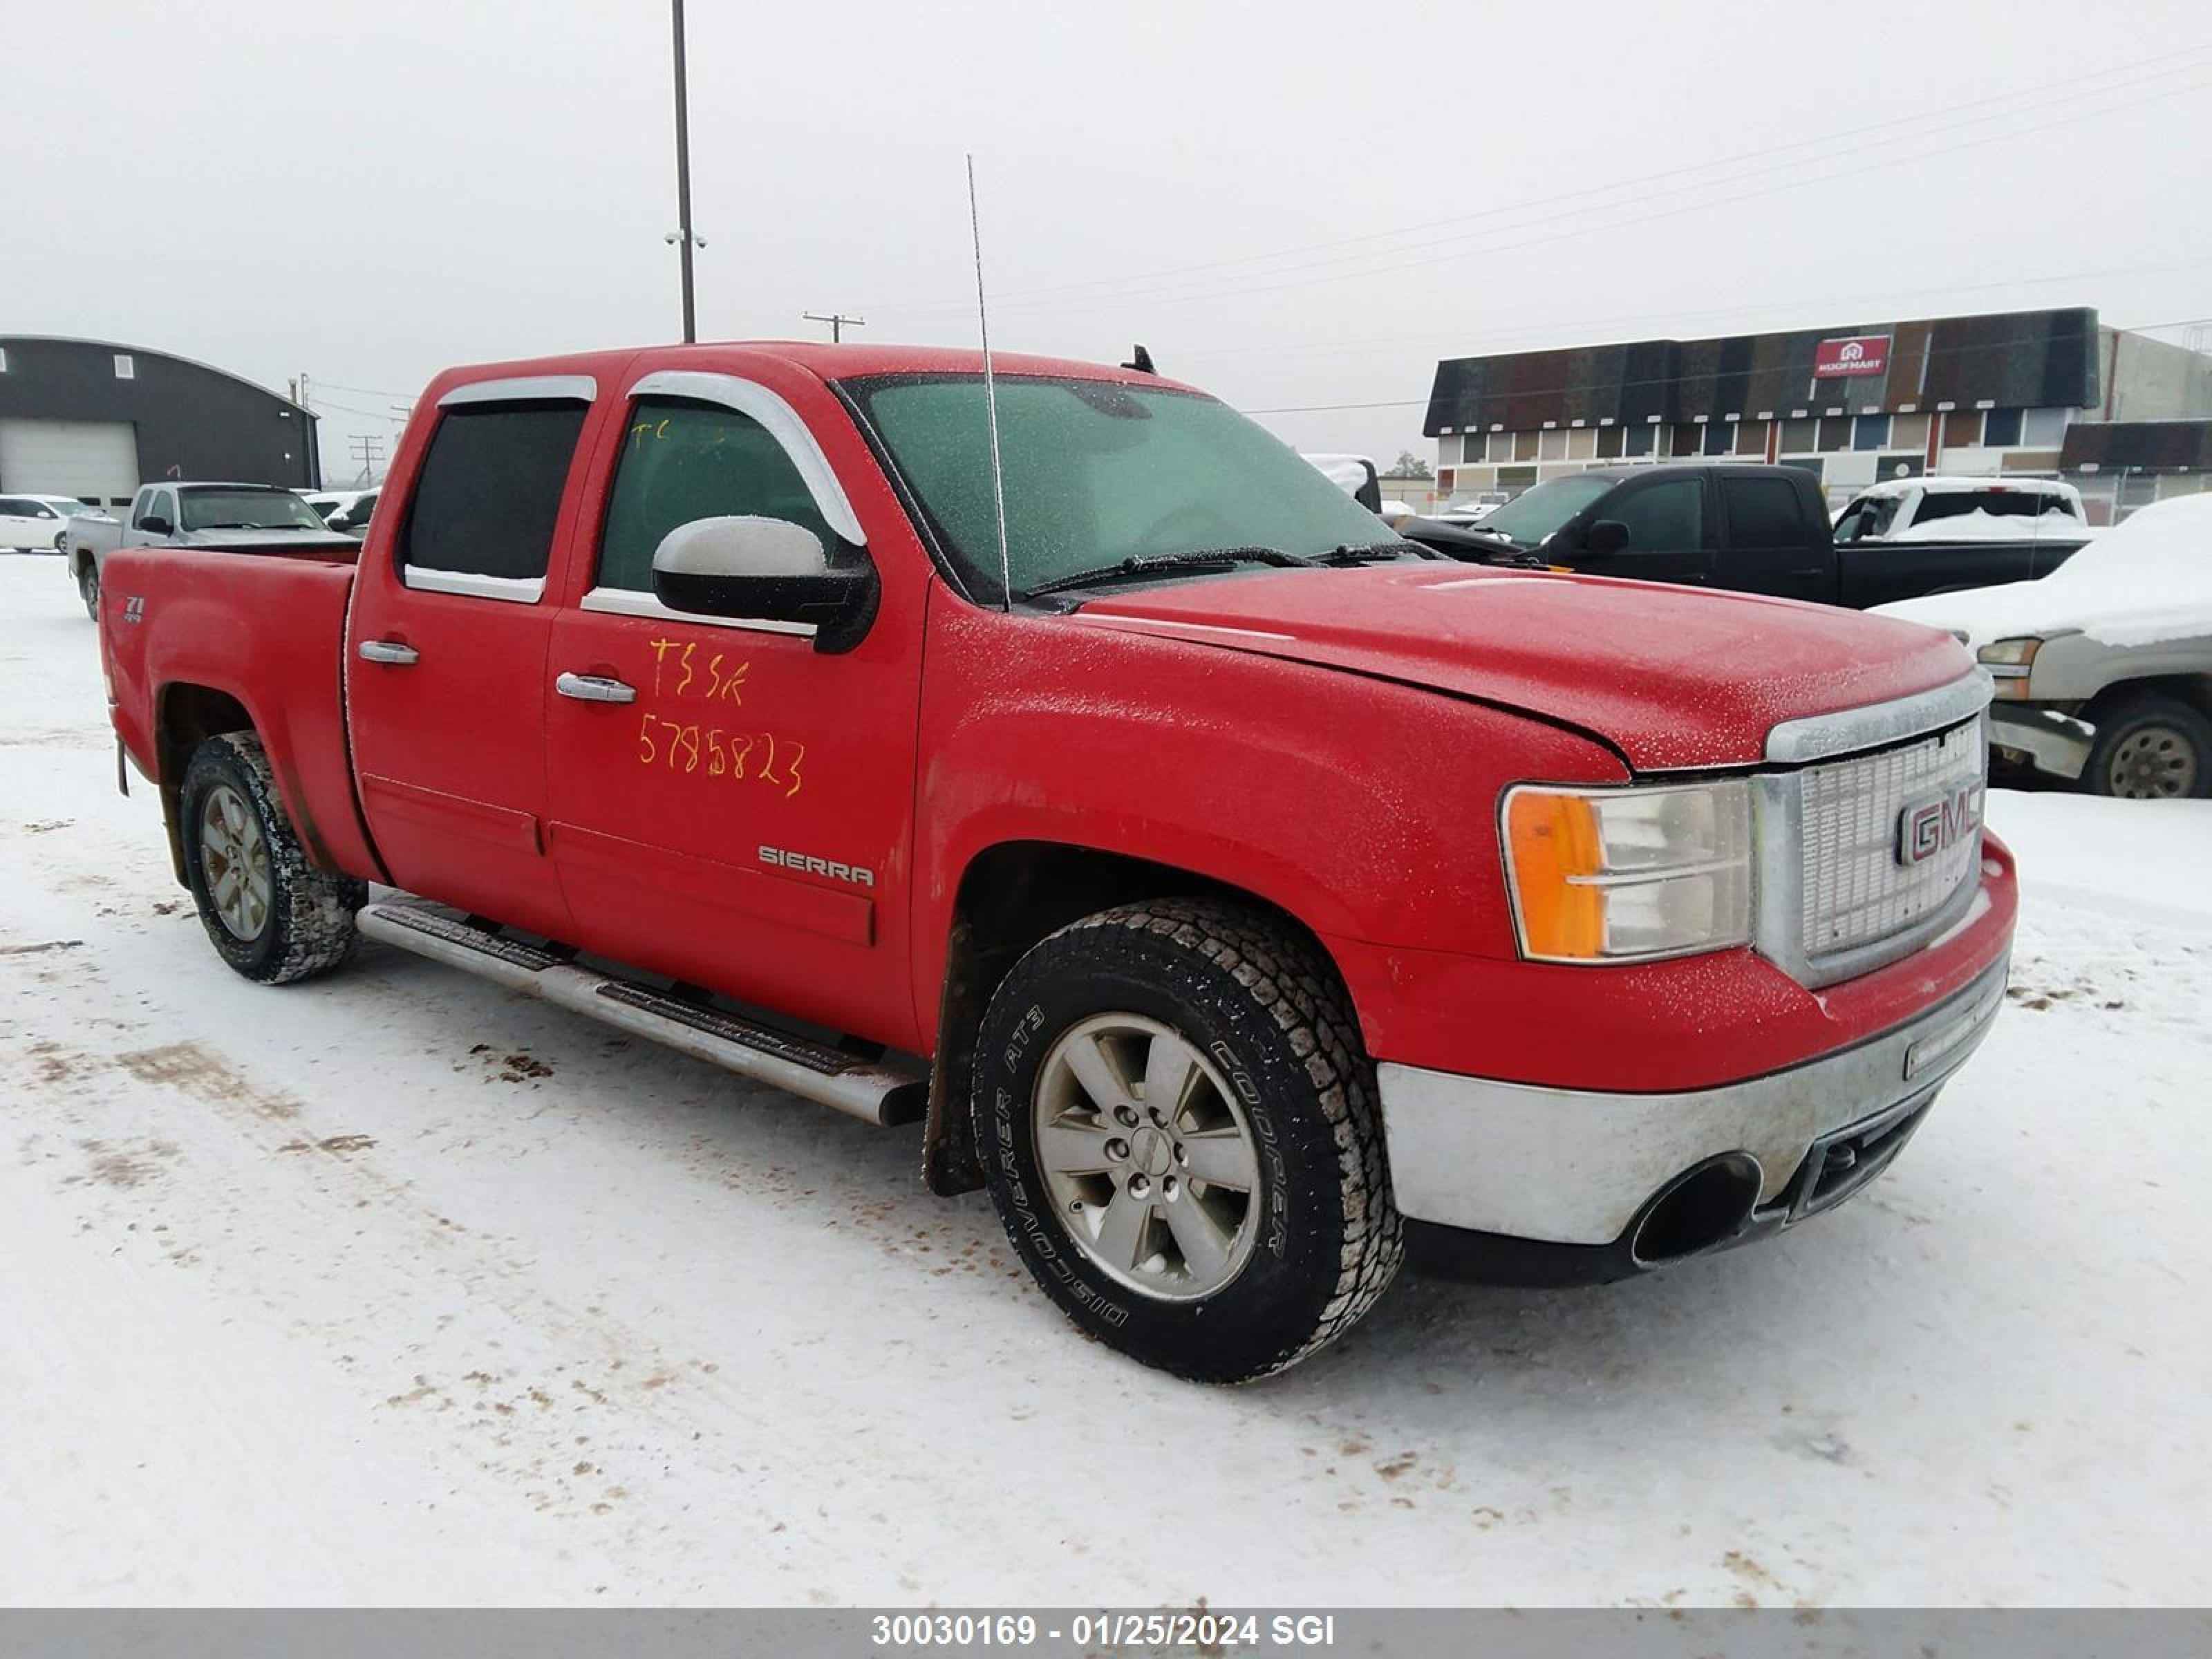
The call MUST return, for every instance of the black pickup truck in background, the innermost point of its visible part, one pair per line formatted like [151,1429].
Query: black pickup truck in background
[1739,525]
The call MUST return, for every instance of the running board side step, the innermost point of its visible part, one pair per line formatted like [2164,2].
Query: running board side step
[892,1090]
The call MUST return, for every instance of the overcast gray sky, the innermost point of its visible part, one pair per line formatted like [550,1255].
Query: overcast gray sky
[1292,203]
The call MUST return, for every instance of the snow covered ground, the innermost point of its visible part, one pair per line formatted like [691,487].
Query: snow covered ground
[392,1288]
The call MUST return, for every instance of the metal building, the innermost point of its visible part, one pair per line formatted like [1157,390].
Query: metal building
[94,419]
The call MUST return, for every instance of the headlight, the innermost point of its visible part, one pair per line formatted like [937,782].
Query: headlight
[1624,875]
[2009,662]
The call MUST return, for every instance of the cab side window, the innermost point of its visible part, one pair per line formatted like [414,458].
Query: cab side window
[1763,512]
[489,495]
[684,460]
[1667,516]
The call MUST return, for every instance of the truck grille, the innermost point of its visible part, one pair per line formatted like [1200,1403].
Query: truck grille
[1856,891]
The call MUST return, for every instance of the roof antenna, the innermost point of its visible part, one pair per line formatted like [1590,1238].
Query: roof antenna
[990,390]
[1141,363]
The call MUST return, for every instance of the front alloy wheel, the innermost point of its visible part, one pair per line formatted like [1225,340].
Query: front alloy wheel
[1148,1156]
[1177,1123]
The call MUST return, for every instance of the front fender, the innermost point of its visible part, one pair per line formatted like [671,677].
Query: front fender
[1364,807]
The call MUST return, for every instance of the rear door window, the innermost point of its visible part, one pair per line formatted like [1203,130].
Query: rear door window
[488,497]
[1763,512]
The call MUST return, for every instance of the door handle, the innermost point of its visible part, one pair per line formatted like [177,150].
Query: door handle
[391,652]
[594,687]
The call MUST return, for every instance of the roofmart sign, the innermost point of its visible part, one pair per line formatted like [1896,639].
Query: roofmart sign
[1862,354]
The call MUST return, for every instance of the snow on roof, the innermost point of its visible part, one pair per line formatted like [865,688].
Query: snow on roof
[1938,483]
[2146,580]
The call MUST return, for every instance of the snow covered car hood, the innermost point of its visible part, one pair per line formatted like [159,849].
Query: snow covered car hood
[1671,677]
[2148,581]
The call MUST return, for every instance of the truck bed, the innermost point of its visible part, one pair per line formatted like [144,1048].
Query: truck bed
[217,663]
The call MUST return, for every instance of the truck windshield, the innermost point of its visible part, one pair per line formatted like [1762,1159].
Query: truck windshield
[1535,513]
[1099,471]
[247,509]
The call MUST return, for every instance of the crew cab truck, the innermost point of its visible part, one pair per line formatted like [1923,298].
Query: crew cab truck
[1239,894]
[1740,525]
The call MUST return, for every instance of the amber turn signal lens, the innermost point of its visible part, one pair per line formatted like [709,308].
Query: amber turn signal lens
[1553,838]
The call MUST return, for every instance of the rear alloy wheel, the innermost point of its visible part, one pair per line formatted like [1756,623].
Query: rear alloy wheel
[1179,1130]
[2152,748]
[268,913]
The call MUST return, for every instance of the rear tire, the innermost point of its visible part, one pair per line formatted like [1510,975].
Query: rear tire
[2151,747]
[269,913]
[87,588]
[1242,1219]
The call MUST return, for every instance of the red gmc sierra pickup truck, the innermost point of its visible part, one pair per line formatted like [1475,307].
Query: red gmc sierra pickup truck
[1245,898]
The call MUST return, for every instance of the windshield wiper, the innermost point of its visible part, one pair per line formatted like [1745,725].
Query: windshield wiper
[1375,553]
[1146,564]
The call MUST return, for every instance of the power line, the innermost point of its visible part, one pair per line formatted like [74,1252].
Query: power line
[2172,63]
[366,391]
[1621,224]
[1837,302]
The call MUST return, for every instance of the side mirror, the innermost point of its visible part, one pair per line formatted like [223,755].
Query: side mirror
[154,524]
[768,568]
[1604,537]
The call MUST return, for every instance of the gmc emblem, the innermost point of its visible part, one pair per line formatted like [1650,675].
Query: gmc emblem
[1929,827]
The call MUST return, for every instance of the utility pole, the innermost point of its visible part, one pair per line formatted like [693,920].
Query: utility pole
[369,449]
[838,323]
[303,395]
[684,238]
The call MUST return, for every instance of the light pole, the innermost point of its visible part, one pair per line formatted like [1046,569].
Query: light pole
[683,239]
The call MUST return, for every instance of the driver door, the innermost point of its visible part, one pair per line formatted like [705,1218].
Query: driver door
[1667,536]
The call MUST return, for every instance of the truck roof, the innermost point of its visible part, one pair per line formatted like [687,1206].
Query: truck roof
[829,362]
[1937,483]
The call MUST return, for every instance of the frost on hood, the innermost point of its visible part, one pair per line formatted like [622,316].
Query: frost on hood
[2148,581]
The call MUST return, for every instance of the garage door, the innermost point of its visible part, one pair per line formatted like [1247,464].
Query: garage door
[70,458]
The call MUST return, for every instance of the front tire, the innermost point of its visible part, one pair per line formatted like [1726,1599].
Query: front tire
[2150,747]
[1179,1130]
[269,913]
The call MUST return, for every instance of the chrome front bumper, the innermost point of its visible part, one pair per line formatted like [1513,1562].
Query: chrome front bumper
[2057,743]
[1573,1167]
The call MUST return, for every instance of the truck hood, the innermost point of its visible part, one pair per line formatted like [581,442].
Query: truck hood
[261,539]
[1669,677]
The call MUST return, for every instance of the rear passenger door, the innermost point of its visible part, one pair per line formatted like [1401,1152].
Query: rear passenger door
[446,666]
[1772,545]
[1668,538]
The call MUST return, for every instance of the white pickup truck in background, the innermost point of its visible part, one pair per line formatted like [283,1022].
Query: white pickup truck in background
[1963,509]
[185,515]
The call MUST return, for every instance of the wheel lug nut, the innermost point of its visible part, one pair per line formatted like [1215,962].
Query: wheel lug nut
[1125,1117]
[1181,1156]
[1117,1149]
[1168,1185]
[1139,1185]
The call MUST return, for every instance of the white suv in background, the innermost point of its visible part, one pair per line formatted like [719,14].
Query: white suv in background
[34,524]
